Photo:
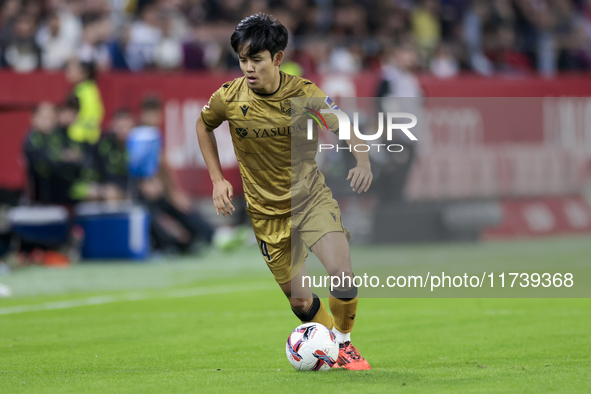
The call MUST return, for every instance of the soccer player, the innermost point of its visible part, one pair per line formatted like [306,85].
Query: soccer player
[258,109]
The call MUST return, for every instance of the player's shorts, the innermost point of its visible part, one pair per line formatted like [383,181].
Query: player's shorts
[283,241]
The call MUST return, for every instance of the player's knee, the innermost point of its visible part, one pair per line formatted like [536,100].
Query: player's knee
[344,277]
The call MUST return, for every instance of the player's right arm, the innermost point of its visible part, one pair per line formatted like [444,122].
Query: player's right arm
[211,117]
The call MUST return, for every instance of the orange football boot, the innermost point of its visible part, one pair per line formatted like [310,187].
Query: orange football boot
[350,358]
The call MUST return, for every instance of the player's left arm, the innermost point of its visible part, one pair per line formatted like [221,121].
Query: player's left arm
[360,176]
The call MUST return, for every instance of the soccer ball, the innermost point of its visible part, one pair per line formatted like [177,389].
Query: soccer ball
[312,347]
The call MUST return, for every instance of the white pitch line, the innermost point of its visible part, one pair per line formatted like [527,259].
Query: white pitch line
[134,296]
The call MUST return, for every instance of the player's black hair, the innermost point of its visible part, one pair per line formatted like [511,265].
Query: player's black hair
[260,32]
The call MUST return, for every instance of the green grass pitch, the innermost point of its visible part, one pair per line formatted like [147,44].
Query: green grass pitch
[218,323]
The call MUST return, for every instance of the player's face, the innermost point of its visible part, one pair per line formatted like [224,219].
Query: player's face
[262,72]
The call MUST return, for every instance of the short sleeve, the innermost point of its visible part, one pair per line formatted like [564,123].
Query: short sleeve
[214,112]
[325,102]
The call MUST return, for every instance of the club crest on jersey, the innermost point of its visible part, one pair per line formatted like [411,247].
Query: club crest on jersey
[244,109]
[241,132]
[286,107]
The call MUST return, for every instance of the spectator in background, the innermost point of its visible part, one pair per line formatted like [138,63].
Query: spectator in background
[101,7]
[350,20]
[228,11]
[254,6]
[399,91]
[349,23]
[118,50]
[194,49]
[316,19]
[58,175]
[580,51]
[60,172]
[346,59]
[426,27]
[95,32]
[77,176]
[33,8]
[69,16]
[173,10]
[342,36]
[82,76]
[168,53]
[502,14]
[503,54]
[314,56]
[444,64]
[571,37]
[207,47]
[40,160]
[56,46]
[398,72]
[195,11]
[473,26]
[21,52]
[111,157]
[144,36]
[393,22]
[8,13]
[175,225]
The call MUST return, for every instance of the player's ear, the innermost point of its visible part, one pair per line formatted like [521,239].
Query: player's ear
[278,59]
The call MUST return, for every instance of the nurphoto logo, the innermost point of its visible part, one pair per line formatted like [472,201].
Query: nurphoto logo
[392,123]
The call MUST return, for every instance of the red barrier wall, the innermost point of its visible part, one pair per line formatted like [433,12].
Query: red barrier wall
[185,94]
[476,86]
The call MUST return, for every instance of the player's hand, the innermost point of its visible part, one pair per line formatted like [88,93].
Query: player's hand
[360,178]
[223,192]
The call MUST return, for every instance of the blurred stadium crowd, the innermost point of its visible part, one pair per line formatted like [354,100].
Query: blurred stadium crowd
[70,160]
[483,36]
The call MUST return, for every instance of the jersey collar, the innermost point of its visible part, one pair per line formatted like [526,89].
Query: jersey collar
[270,94]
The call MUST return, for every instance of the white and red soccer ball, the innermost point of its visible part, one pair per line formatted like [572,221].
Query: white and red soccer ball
[312,347]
